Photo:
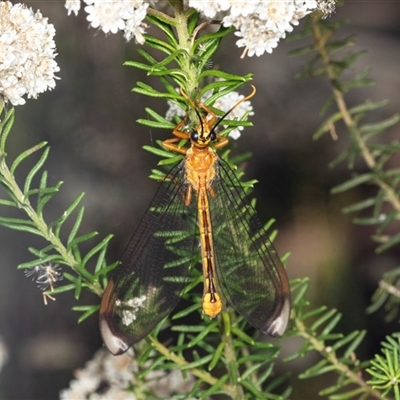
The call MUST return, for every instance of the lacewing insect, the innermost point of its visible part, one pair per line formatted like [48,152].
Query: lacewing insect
[202,200]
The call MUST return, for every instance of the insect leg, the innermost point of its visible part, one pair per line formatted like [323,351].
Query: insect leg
[177,130]
[221,142]
[170,145]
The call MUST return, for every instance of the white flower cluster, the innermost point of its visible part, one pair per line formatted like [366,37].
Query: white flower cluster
[27,52]
[112,375]
[108,377]
[260,24]
[227,102]
[224,103]
[114,16]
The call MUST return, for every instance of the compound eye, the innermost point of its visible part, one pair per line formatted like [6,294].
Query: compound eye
[194,136]
[213,136]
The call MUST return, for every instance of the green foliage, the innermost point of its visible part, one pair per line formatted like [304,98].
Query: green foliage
[385,371]
[192,54]
[367,140]
[220,353]
[387,294]
[224,355]
[337,351]
[367,144]
[28,202]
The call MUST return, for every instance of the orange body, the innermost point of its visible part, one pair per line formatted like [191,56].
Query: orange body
[200,171]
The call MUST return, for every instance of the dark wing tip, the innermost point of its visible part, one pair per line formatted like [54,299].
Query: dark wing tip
[116,343]
[278,325]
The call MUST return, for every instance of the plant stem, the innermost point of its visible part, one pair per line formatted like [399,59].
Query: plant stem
[181,19]
[9,180]
[330,355]
[230,357]
[181,362]
[320,45]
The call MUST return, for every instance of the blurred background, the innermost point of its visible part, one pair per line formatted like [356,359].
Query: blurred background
[96,148]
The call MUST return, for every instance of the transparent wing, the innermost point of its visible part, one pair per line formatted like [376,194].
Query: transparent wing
[249,272]
[154,268]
